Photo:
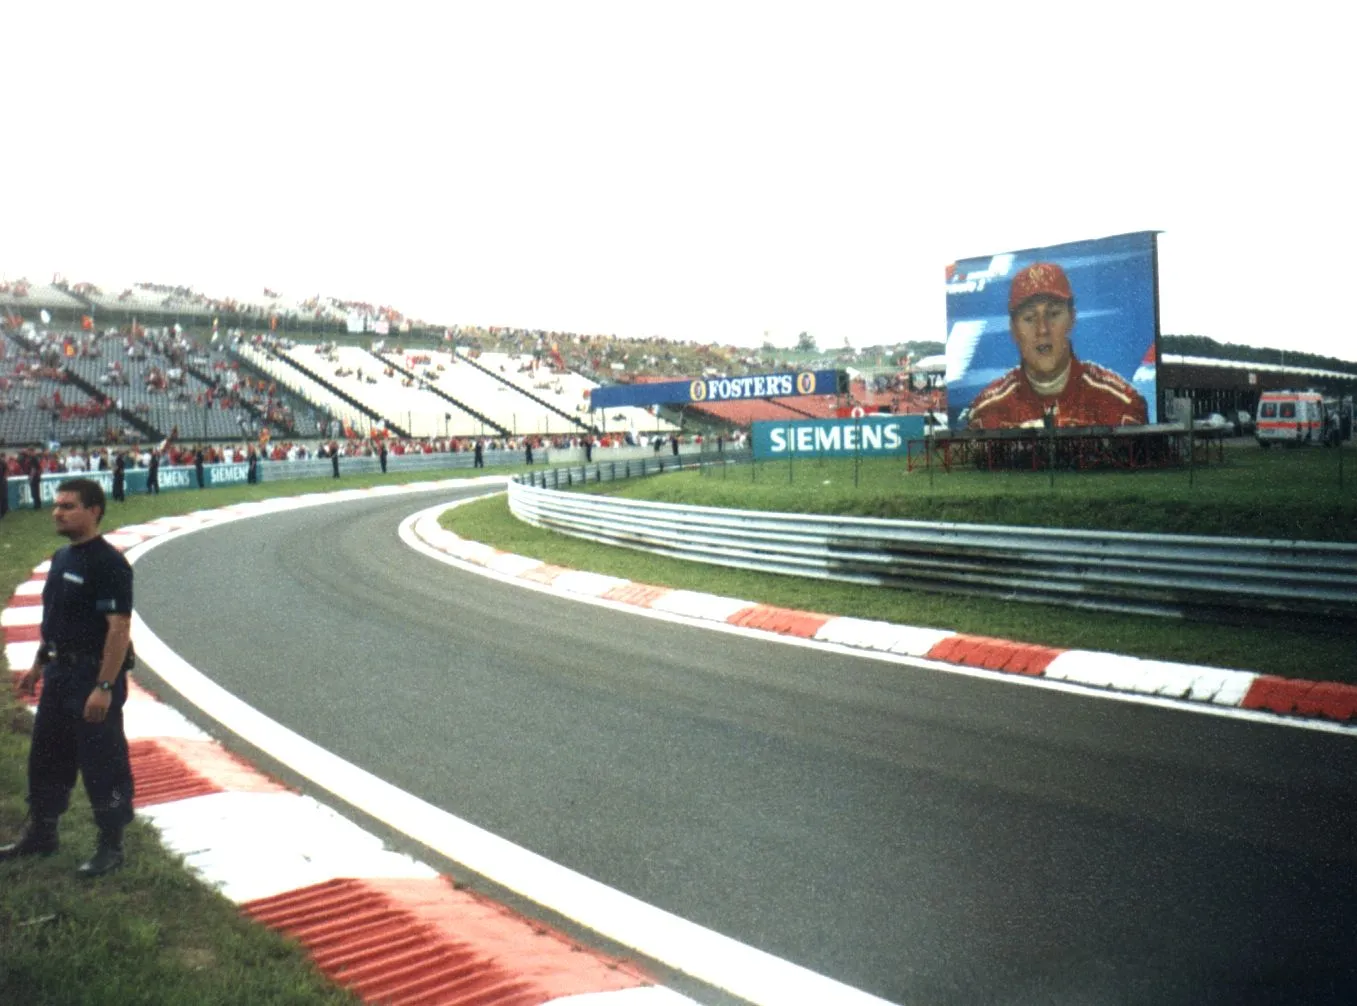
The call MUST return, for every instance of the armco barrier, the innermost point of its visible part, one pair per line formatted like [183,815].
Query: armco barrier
[1197,576]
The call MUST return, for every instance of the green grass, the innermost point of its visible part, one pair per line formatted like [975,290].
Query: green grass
[1018,500]
[1253,493]
[149,934]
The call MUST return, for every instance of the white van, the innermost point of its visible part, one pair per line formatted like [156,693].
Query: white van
[1293,418]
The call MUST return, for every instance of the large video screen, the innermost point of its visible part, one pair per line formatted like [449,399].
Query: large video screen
[1069,330]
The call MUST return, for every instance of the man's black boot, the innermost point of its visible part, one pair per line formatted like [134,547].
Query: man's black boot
[38,839]
[107,857]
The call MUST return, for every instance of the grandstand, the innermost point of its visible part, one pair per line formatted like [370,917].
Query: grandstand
[41,410]
[17,296]
[163,392]
[561,392]
[478,392]
[496,382]
[404,400]
[281,371]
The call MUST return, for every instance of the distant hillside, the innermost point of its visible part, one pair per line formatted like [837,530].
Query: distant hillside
[1200,345]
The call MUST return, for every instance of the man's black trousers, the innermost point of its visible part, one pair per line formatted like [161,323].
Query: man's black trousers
[63,743]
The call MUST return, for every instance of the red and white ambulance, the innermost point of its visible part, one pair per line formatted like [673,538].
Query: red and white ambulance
[1293,418]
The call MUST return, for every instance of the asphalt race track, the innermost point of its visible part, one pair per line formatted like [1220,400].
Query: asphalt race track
[927,837]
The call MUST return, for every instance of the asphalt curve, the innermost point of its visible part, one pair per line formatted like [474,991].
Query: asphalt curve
[927,837]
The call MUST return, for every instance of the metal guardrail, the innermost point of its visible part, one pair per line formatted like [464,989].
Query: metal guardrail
[1220,579]
[566,476]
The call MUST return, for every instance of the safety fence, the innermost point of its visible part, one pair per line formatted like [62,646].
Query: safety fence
[1219,579]
[565,476]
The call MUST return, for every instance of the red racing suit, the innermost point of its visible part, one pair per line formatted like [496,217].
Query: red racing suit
[1093,396]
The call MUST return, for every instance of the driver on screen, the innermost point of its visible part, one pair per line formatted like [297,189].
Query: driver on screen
[1041,317]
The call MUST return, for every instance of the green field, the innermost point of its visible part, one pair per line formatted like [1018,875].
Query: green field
[1237,497]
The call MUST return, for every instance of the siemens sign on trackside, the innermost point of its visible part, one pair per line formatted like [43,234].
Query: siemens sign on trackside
[171,478]
[875,434]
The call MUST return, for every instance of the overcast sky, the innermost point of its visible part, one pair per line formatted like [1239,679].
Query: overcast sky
[703,171]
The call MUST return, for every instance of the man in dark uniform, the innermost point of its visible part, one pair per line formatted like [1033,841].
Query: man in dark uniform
[120,478]
[4,484]
[83,662]
[198,464]
[381,455]
[252,469]
[153,473]
[527,449]
[35,480]
[478,459]
[334,457]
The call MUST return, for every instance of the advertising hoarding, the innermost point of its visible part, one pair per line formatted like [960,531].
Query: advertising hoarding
[872,435]
[1073,326]
[172,478]
[716,389]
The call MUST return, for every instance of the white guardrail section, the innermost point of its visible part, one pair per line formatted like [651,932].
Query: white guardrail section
[1218,578]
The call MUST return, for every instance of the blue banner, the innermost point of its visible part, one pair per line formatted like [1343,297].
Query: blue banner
[836,438]
[172,479]
[716,389]
[1072,327]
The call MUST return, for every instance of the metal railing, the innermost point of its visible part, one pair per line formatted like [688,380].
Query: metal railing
[567,476]
[1220,579]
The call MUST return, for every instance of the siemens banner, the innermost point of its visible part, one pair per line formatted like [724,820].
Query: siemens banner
[172,478]
[1070,329]
[716,389]
[830,438]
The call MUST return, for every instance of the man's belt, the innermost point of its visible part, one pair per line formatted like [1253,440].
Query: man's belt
[70,653]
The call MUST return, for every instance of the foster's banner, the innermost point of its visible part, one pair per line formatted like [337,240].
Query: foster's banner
[716,389]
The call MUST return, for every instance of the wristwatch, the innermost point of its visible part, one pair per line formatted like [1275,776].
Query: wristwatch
[106,686]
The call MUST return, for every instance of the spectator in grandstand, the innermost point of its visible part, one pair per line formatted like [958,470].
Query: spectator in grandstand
[1049,378]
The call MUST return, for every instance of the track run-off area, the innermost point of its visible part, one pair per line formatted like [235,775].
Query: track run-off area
[923,836]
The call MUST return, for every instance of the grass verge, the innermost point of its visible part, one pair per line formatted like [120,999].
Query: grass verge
[1251,493]
[1289,653]
[149,934]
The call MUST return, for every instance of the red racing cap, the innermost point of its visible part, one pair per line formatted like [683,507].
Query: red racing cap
[1039,278]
